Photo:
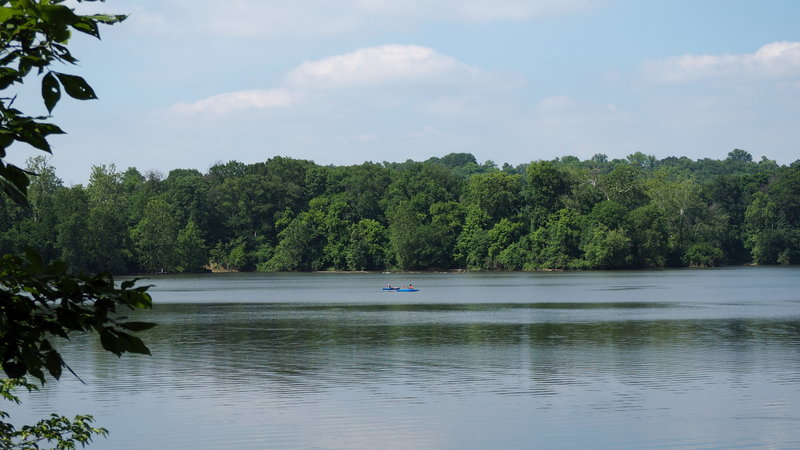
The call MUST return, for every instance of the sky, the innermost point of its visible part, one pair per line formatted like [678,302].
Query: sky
[191,83]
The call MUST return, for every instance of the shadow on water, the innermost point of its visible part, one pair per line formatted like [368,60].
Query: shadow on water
[271,326]
[302,344]
[433,307]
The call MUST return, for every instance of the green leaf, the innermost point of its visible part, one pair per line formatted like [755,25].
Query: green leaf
[54,364]
[137,326]
[19,197]
[8,76]
[58,15]
[14,183]
[132,344]
[64,54]
[30,134]
[87,26]
[33,360]
[6,139]
[107,18]
[35,260]
[111,342]
[76,86]
[51,91]
[48,128]
[7,13]
[57,268]
[14,368]
[138,299]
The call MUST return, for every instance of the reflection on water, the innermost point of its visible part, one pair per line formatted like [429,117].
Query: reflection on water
[618,359]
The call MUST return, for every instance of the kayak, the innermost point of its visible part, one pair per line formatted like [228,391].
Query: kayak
[407,290]
[391,288]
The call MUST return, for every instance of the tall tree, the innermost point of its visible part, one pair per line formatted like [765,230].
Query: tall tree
[192,252]
[73,203]
[108,244]
[367,248]
[155,237]
[545,187]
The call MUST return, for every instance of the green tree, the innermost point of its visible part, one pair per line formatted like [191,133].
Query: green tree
[191,195]
[300,244]
[472,245]
[740,155]
[609,214]
[108,240]
[405,237]
[557,245]
[230,255]
[191,249]
[649,236]
[769,236]
[689,220]
[624,185]
[496,194]
[40,301]
[544,191]
[365,187]
[607,249]
[585,192]
[501,237]
[367,248]
[732,194]
[71,229]
[704,254]
[784,190]
[423,240]
[155,237]
[642,161]
[42,221]
[420,185]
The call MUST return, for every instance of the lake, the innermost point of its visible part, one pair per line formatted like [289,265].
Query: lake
[629,359]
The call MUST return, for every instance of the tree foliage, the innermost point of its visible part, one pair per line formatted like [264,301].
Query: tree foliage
[287,214]
[40,300]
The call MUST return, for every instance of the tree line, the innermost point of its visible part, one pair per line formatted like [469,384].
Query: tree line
[448,212]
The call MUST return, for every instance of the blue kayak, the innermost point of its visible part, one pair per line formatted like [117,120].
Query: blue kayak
[391,288]
[407,290]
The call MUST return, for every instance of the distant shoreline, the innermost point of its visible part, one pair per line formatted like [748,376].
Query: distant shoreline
[459,271]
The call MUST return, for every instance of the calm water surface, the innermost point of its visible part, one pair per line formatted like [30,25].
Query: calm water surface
[651,359]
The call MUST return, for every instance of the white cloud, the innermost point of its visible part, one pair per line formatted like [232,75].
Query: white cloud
[458,106]
[399,75]
[772,61]
[386,64]
[230,102]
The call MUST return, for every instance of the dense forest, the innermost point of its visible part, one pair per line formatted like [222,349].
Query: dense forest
[444,213]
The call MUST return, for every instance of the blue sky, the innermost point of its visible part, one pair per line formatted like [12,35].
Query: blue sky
[188,83]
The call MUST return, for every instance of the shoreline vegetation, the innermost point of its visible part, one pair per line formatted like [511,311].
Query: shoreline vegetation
[445,214]
[453,271]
